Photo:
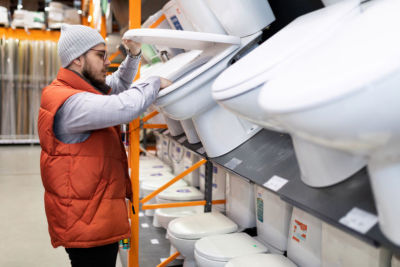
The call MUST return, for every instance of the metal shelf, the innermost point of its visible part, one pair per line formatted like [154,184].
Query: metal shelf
[270,153]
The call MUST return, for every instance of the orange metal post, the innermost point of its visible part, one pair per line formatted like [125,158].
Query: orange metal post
[178,177]
[149,116]
[135,7]
[171,258]
[181,204]
[155,126]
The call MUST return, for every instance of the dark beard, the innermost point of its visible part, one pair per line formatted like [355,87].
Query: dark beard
[99,85]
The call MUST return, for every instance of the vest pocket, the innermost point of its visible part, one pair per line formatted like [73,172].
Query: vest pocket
[94,203]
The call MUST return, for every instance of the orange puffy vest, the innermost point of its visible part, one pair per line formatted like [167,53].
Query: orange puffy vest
[85,183]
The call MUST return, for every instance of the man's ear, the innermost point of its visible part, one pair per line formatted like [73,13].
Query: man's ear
[78,61]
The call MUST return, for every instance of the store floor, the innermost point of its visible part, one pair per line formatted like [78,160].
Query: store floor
[24,239]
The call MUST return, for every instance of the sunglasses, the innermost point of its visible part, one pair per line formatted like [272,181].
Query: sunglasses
[105,56]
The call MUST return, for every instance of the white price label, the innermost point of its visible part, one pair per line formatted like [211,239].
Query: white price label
[182,139]
[141,214]
[359,220]
[145,225]
[154,241]
[201,150]
[275,183]
[233,163]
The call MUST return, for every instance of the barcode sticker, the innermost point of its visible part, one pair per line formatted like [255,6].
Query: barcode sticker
[154,241]
[359,220]
[145,225]
[275,183]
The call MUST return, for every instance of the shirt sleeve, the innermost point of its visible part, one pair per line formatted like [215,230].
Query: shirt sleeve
[86,111]
[121,79]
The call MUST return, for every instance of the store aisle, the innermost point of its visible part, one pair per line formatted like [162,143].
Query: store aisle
[23,227]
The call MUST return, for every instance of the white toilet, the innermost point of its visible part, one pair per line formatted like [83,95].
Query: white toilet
[184,232]
[237,88]
[261,260]
[176,154]
[177,194]
[189,97]
[273,219]
[351,103]
[340,249]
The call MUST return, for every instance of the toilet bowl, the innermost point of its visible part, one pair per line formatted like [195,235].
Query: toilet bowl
[150,185]
[350,104]
[273,219]
[184,232]
[341,249]
[217,250]
[189,97]
[237,89]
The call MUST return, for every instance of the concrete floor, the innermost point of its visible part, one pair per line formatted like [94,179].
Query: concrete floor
[24,239]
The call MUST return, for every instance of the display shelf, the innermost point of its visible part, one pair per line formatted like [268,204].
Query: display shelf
[18,141]
[269,154]
[31,34]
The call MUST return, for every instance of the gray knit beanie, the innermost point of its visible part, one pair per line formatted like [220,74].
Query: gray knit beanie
[75,40]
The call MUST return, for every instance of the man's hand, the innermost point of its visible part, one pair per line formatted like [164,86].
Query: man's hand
[164,83]
[133,47]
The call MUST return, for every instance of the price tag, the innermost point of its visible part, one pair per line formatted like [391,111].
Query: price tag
[182,139]
[154,241]
[201,150]
[233,163]
[359,220]
[141,214]
[145,225]
[275,183]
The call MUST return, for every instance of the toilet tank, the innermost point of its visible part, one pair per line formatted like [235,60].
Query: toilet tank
[273,218]
[242,17]
[341,249]
[240,201]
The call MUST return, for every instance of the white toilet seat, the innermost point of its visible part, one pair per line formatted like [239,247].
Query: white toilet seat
[201,225]
[165,216]
[153,184]
[222,248]
[181,193]
[349,69]
[301,34]
[261,260]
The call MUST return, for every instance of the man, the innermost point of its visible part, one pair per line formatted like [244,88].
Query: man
[83,161]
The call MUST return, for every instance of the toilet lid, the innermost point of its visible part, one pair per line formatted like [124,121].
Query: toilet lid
[342,66]
[200,225]
[261,260]
[222,45]
[154,184]
[182,193]
[261,64]
[180,39]
[227,246]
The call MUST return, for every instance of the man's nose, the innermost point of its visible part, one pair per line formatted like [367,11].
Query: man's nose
[107,62]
